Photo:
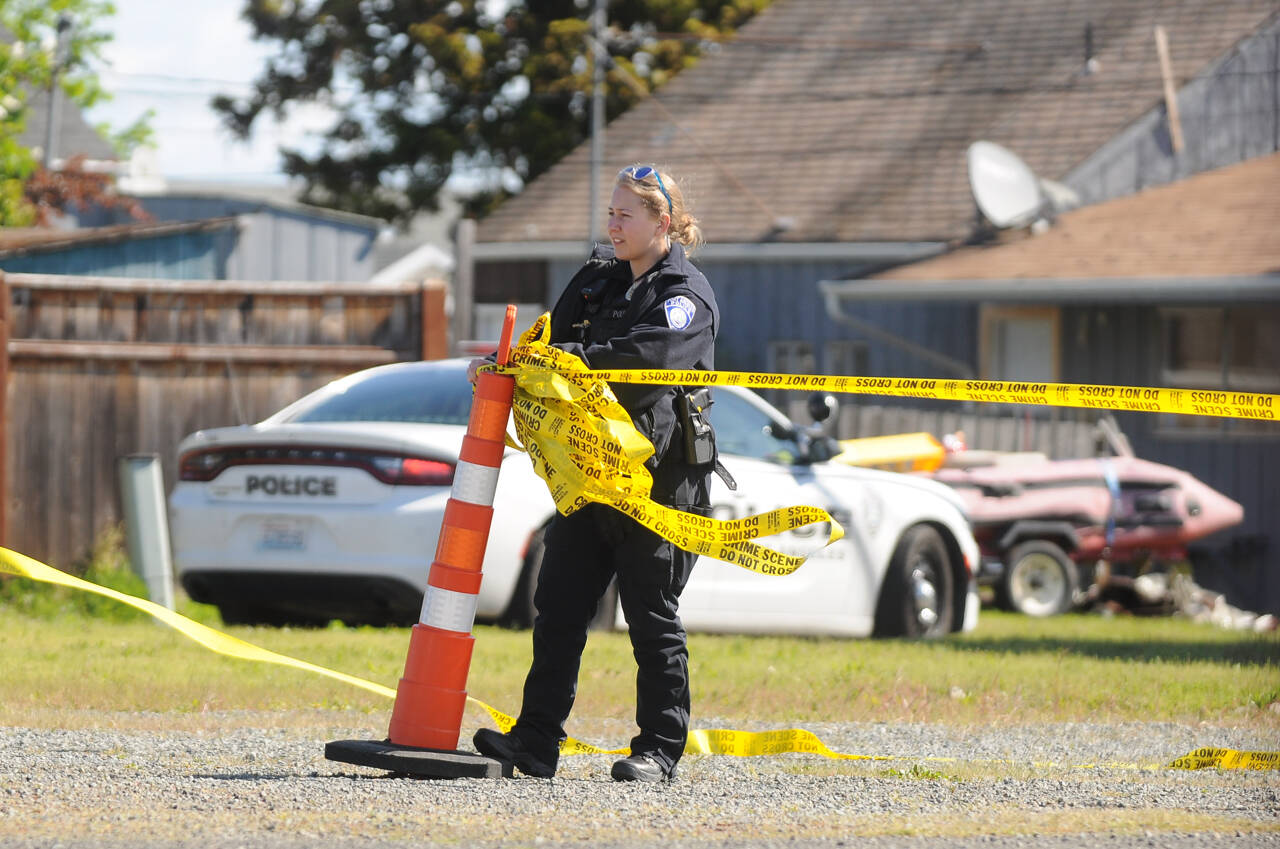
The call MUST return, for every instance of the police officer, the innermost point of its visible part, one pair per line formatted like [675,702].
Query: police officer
[642,304]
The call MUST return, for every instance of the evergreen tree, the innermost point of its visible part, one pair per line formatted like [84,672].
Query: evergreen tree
[423,88]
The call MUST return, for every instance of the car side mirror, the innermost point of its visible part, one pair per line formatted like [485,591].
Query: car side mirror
[822,406]
[822,449]
[780,431]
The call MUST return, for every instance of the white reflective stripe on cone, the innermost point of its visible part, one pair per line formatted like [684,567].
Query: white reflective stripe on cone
[448,609]
[474,484]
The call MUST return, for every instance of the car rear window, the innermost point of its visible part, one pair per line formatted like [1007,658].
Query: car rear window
[423,395]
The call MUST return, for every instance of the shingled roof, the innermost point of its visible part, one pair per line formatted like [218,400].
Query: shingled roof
[1221,222]
[850,120]
[75,136]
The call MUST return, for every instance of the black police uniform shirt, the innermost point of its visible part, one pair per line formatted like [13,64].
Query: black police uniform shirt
[665,319]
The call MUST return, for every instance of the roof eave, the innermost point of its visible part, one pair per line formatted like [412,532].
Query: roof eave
[87,237]
[1065,290]
[871,252]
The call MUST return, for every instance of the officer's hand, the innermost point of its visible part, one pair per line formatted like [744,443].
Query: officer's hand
[473,368]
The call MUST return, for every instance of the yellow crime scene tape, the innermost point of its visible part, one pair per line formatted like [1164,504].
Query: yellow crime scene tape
[1142,399]
[716,741]
[585,446]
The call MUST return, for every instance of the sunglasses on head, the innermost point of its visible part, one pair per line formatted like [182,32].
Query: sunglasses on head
[640,173]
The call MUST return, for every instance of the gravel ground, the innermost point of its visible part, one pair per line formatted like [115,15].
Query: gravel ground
[244,781]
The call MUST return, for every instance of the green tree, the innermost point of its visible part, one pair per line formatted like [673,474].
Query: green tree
[29,62]
[422,88]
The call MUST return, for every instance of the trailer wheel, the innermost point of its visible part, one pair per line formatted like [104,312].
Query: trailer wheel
[1039,579]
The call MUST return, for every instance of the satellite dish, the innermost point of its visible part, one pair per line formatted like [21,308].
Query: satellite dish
[1006,190]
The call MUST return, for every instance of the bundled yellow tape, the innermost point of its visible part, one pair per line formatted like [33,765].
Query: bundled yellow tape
[584,445]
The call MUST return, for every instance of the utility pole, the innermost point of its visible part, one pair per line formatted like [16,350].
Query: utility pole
[59,59]
[599,58]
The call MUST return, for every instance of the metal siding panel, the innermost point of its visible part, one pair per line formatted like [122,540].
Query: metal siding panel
[1075,345]
[291,258]
[183,256]
[324,252]
[808,303]
[251,258]
[738,293]
[331,253]
[344,263]
[278,244]
[358,253]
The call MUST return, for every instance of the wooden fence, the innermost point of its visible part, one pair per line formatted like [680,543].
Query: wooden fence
[99,368]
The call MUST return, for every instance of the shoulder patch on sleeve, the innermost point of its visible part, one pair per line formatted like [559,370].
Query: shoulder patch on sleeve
[679,311]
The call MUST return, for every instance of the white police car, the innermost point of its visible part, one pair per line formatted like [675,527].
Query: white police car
[330,509]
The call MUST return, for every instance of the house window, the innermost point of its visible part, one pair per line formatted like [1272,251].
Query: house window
[1020,343]
[845,357]
[788,357]
[1216,348]
[791,357]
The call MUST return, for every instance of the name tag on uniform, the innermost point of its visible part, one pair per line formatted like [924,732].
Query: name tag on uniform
[680,312]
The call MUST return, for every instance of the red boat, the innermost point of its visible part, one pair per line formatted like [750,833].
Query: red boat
[1049,529]
[1045,527]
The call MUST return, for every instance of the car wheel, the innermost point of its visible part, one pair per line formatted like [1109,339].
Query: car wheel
[916,597]
[1039,579]
[237,614]
[522,611]
[241,613]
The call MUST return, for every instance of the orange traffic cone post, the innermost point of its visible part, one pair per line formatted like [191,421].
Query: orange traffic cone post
[427,717]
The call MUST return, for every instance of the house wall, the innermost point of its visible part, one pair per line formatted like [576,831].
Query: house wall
[1121,346]
[765,301]
[274,243]
[177,256]
[1229,113]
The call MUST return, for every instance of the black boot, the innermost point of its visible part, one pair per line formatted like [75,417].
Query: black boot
[641,768]
[511,749]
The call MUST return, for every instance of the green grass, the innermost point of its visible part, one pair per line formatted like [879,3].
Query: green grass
[1012,669]
[107,565]
[62,650]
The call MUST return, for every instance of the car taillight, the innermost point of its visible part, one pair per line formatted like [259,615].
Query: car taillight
[412,471]
[200,465]
[394,469]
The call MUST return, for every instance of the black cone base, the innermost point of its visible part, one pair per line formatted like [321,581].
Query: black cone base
[406,760]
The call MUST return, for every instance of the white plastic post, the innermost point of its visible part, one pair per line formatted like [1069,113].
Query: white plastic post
[147,525]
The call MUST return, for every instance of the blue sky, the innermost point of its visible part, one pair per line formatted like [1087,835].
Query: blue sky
[173,57]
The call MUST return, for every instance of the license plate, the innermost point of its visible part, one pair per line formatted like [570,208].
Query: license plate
[283,535]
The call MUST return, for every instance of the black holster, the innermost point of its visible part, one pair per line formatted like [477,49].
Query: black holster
[699,436]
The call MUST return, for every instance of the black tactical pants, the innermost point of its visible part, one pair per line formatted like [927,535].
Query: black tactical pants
[583,552]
